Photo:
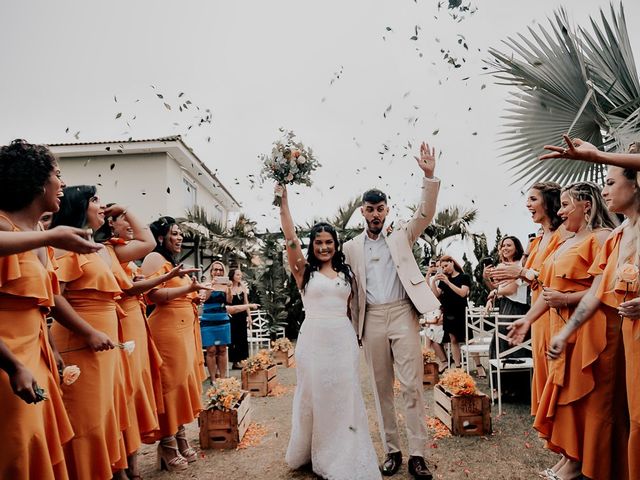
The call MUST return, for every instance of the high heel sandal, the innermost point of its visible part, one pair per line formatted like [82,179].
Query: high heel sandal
[189,453]
[170,463]
[481,372]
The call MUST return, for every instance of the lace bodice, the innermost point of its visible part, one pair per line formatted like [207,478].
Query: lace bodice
[326,297]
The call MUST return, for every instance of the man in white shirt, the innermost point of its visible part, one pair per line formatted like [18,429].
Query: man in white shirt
[390,293]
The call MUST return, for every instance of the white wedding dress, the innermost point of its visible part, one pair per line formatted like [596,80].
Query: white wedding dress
[329,426]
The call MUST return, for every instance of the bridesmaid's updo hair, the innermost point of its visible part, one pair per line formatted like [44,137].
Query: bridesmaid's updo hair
[24,171]
[550,192]
[337,261]
[599,216]
[73,206]
[160,228]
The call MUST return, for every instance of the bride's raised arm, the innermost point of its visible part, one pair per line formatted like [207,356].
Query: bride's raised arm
[295,256]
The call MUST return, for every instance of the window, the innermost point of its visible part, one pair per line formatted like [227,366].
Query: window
[190,193]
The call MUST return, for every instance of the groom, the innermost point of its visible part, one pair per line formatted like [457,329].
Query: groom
[391,292]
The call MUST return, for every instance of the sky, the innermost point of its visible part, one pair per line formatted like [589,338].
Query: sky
[345,76]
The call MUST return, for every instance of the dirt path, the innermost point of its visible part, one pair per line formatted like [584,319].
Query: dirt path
[512,452]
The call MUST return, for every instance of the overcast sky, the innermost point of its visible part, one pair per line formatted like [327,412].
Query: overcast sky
[329,70]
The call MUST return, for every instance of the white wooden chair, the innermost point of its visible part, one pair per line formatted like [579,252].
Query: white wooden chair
[502,363]
[258,335]
[480,326]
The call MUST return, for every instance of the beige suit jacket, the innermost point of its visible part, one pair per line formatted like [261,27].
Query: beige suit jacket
[400,243]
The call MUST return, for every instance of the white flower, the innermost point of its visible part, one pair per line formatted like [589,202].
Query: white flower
[289,177]
[128,347]
[301,159]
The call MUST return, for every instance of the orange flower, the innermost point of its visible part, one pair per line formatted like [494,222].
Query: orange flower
[295,153]
[628,273]
[458,382]
[70,374]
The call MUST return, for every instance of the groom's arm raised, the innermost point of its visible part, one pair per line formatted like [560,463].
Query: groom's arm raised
[295,256]
[430,187]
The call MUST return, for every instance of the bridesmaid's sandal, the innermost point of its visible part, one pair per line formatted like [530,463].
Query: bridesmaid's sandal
[189,453]
[481,372]
[169,457]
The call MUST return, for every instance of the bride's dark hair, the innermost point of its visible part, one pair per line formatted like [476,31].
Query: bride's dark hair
[337,261]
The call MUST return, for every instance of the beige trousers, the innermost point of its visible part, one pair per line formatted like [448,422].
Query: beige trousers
[391,339]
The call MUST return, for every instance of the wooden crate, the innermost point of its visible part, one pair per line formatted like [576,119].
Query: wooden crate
[430,375]
[220,429]
[283,359]
[261,383]
[465,415]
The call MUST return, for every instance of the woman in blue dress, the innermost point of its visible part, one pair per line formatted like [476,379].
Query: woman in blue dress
[215,324]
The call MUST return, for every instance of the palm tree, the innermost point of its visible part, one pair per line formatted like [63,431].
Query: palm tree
[579,81]
[449,223]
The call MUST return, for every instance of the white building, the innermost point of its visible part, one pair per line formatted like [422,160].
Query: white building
[152,177]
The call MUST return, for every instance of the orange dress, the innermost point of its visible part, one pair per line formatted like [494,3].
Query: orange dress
[176,332]
[540,328]
[33,435]
[576,412]
[613,292]
[142,367]
[96,402]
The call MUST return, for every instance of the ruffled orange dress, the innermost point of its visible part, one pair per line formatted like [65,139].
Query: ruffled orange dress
[142,367]
[33,435]
[540,328]
[175,330]
[96,402]
[576,412]
[613,292]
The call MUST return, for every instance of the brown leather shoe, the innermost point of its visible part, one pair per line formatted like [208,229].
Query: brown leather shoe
[418,468]
[391,464]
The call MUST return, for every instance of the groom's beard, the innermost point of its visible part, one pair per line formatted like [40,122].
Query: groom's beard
[375,228]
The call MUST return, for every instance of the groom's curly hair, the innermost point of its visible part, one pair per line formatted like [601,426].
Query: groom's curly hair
[337,261]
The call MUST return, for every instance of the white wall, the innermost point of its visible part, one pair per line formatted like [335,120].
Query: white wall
[151,184]
[136,181]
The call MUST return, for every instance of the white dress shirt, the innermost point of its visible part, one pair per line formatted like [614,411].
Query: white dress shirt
[383,283]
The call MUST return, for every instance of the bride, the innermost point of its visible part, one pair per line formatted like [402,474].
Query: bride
[329,425]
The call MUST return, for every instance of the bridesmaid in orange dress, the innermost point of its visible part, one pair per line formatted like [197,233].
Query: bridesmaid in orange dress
[132,240]
[176,332]
[96,402]
[543,201]
[615,292]
[32,430]
[576,414]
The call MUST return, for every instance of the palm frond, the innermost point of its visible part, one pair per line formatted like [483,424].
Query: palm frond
[553,71]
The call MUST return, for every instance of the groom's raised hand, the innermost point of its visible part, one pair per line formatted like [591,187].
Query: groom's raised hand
[427,159]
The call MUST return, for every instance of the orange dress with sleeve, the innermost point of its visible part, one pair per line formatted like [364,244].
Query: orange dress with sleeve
[612,292]
[142,366]
[176,332]
[576,412]
[32,435]
[540,328]
[96,402]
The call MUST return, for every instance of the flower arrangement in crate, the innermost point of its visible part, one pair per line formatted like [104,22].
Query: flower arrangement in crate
[459,382]
[224,394]
[428,356]
[281,345]
[260,361]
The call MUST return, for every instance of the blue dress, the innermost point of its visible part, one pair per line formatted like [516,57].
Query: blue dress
[215,324]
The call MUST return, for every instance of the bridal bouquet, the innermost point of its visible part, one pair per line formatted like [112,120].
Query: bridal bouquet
[289,163]
[224,394]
